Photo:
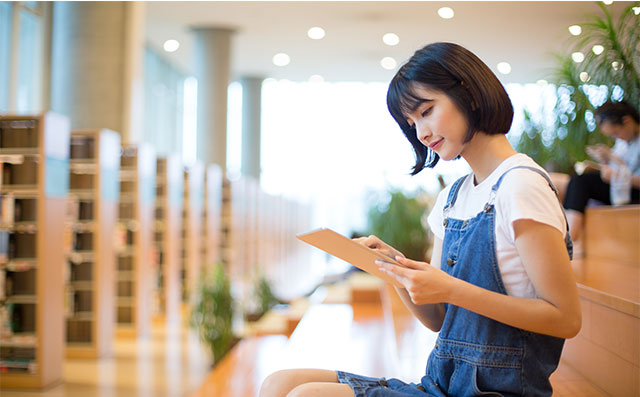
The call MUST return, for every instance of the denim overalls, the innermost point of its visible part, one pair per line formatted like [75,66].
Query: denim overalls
[475,355]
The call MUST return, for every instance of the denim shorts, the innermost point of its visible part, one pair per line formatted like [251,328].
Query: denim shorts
[364,386]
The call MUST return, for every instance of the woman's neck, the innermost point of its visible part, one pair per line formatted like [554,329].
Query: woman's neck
[485,153]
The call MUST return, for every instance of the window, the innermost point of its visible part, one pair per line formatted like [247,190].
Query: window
[164,101]
[21,57]
[5,53]
[30,68]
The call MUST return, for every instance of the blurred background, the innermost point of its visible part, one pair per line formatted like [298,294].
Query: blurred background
[287,100]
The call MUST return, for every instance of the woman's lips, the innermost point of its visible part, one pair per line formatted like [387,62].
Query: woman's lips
[436,144]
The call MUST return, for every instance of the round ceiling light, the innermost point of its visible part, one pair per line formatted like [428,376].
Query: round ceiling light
[281,59]
[171,45]
[446,12]
[504,67]
[388,63]
[316,33]
[391,39]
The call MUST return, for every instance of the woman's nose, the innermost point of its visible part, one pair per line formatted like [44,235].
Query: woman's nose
[423,132]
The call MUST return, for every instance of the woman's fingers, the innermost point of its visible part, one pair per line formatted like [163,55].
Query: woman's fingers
[411,264]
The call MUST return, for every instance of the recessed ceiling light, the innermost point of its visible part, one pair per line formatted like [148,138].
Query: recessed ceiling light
[542,82]
[636,10]
[608,2]
[445,12]
[575,30]
[315,33]
[597,49]
[504,68]
[316,78]
[171,45]
[281,59]
[577,57]
[390,39]
[388,63]
[584,77]
[617,65]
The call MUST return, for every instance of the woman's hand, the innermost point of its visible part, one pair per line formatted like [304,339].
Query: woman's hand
[375,243]
[424,283]
[605,173]
[600,152]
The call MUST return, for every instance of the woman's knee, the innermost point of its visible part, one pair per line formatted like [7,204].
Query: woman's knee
[277,384]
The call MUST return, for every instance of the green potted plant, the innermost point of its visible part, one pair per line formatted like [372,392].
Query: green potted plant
[398,221]
[212,313]
[263,297]
[609,46]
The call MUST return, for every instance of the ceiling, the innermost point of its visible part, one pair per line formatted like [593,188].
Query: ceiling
[525,34]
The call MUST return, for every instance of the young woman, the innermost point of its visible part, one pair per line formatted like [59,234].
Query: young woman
[499,289]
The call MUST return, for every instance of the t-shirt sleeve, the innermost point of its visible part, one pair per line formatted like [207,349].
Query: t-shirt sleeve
[435,217]
[526,195]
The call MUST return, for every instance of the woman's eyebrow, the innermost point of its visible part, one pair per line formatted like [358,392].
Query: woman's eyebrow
[419,103]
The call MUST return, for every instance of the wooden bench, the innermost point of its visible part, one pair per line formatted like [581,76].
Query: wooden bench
[607,349]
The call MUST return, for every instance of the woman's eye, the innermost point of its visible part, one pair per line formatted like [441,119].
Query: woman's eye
[426,111]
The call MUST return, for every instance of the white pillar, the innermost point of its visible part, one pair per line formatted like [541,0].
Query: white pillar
[97,65]
[251,132]
[212,67]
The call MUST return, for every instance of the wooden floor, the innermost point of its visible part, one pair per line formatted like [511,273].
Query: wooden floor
[355,338]
[169,363]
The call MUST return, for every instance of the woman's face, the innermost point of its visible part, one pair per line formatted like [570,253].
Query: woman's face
[439,124]
[627,131]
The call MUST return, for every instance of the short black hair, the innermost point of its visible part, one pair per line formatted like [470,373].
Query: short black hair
[613,112]
[464,78]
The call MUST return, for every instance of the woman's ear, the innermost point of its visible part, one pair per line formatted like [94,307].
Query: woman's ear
[628,120]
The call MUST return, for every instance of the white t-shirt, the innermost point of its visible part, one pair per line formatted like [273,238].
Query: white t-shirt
[523,194]
[629,152]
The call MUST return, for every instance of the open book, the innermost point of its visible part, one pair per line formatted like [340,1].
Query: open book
[348,250]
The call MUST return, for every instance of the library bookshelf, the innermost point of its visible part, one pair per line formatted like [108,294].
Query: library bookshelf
[212,215]
[93,207]
[134,240]
[192,229]
[167,238]
[34,156]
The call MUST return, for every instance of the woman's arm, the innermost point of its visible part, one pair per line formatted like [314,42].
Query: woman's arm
[555,311]
[431,315]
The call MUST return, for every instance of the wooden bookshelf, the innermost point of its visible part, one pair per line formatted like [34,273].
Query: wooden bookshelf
[93,207]
[34,160]
[167,237]
[192,228]
[134,240]
[212,215]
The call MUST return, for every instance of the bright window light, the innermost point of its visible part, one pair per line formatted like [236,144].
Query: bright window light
[171,45]
[391,39]
[575,30]
[316,33]
[577,57]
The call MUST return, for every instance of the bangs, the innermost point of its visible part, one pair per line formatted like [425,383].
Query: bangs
[401,100]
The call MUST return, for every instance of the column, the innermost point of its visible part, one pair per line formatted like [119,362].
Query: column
[212,67]
[251,133]
[97,65]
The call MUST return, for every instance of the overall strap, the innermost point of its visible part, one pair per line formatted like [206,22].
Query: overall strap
[494,190]
[453,196]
